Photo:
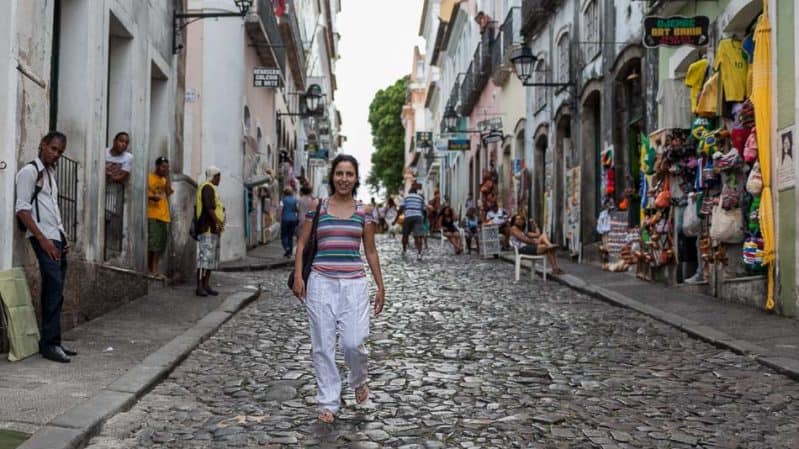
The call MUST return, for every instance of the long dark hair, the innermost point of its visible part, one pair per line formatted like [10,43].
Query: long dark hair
[339,159]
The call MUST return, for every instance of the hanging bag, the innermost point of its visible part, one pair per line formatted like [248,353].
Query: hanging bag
[691,224]
[726,226]
[663,199]
[309,252]
[754,184]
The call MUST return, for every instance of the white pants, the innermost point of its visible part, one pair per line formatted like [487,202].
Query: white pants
[337,305]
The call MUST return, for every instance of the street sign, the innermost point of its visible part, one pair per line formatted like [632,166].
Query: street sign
[458,145]
[676,31]
[266,77]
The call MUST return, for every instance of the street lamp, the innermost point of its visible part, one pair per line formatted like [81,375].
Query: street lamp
[312,103]
[450,119]
[179,23]
[522,60]
[313,96]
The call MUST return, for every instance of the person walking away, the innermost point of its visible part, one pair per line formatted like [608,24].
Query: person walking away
[449,228]
[288,217]
[159,187]
[337,294]
[210,216]
[533,243]
[36,207]
[471,222]
[304,201]
[413,207]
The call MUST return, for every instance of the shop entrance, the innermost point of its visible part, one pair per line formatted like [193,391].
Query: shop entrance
[539,200]
[591,196]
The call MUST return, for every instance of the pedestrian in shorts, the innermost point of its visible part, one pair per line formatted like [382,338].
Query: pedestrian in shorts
[210,216]
[159,188]
[413,207]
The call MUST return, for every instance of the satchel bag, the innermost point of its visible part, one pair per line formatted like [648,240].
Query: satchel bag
[754,184]
[726,226]
[309,252]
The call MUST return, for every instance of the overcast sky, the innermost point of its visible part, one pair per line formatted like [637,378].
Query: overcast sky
[377,40]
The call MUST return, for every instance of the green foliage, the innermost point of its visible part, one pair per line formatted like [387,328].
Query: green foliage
[388,137]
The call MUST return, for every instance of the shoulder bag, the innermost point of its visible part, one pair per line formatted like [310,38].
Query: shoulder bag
[309,252]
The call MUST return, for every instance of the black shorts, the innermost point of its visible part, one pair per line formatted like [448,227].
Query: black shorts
[413,224]
[529,250]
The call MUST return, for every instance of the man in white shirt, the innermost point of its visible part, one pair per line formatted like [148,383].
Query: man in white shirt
[37,209]
[118,160]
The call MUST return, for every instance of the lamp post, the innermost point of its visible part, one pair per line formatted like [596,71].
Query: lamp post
[179,23]
[312,102]
[450,119]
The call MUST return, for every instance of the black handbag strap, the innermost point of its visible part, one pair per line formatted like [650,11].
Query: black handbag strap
[315,223]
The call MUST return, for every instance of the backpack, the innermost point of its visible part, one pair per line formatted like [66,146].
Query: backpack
[34,198]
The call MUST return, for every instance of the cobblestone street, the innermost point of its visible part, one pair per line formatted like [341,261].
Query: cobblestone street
[463,357]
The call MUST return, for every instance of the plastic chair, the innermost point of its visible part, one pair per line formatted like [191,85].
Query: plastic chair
[533,259]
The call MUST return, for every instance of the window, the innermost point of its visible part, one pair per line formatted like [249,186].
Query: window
[420,70]
[591,31]
[540,76]
[247,120]
[562,67]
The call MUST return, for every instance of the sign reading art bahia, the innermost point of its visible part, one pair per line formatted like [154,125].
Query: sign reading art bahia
[266,77]
[676,31]
[458,145]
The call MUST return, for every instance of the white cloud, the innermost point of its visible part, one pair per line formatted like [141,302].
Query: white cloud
[377,40]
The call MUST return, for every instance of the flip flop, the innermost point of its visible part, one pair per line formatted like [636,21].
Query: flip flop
[327,417]
[361,394]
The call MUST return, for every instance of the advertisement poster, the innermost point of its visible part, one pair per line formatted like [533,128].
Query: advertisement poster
[785,170]
[571,222]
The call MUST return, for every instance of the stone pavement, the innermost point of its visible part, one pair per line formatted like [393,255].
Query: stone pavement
[463,357]
[771,339]
[262,257]
[36,391]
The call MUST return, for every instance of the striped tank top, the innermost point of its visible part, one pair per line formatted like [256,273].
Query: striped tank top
[339,243]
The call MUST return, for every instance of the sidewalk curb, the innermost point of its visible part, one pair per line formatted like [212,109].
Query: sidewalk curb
[257,266]
[787,366]
[75,427]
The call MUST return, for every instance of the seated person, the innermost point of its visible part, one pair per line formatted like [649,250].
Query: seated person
[533,243]
[497,216]
[449,229]
[471,221]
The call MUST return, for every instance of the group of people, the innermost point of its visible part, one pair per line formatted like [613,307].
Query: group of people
[39,217]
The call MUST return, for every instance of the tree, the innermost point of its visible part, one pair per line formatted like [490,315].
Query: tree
[388,137]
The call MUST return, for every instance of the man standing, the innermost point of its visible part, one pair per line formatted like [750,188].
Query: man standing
[413,205]
[118,165]
[159,188]
[37,209]
[210,216]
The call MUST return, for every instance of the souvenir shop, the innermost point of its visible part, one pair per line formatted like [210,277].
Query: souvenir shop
[700,177]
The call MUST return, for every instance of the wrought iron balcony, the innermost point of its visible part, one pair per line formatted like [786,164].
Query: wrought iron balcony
[265,36]
[535,13]
[290,31]
[504,43]
[478,73]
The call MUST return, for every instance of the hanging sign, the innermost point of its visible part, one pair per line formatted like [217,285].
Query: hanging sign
[266,77]
[424,139]
[676,31]
[459,145]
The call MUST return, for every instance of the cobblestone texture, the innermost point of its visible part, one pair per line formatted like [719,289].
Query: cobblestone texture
[463,357]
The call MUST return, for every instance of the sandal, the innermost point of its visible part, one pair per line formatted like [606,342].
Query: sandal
[327,417]
[361,394]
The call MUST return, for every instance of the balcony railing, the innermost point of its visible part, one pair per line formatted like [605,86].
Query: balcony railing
[478,73]
[290,30]
[507,39]
[265,36]
[534,14]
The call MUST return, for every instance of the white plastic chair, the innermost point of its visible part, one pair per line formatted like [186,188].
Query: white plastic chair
[533,260]
[460,232]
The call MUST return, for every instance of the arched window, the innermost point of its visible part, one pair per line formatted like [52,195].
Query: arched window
[259,137]
[247,120]
[540,76]
[562,64]
[590,29]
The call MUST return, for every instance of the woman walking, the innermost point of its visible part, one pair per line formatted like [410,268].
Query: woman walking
[289,218]
[337,294]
